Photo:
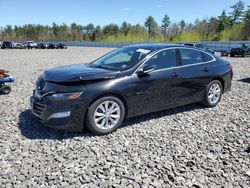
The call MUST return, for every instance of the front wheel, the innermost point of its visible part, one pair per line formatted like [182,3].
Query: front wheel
[105,115]
[213,94]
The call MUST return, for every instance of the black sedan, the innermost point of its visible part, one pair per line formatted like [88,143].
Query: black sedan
[61,46]
[52,46]
[42,46]
[128,82]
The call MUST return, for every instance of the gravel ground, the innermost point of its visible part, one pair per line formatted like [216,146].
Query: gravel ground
[189,146]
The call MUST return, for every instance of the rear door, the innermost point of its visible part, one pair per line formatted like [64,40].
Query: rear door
[195,72]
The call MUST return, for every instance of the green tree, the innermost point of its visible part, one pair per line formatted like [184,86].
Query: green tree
[223,22]
[164,26]
[76,32]
[182,25]
[237,12]
[55,31]
[111,29]
[212,27]
[89,29]
[151,25]
[125,27]
[246,28]
[97,33]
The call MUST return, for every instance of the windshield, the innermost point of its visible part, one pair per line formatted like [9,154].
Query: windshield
[121,59]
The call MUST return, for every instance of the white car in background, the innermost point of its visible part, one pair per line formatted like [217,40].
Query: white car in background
[31,44]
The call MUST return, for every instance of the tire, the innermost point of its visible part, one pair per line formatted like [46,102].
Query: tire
[212,98]
[5,90]
[232,55]
[99,118]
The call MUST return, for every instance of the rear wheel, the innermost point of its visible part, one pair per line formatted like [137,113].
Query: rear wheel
[105,115]
[213,93]
[5,90]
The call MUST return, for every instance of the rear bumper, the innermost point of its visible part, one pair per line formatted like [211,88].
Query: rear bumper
[228,81]
[43,110]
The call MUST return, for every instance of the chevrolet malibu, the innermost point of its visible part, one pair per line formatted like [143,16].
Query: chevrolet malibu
[127,82]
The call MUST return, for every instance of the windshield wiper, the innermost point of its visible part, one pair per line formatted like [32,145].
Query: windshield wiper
[100,66]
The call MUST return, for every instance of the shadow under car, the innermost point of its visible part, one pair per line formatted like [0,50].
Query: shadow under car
[31,128]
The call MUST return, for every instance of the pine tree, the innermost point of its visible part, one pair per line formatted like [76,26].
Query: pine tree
[164,26]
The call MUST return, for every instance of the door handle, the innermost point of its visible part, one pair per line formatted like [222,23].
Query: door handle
[205,69]
[175,75]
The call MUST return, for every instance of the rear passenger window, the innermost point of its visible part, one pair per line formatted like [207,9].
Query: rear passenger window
[190,56]
[207,57]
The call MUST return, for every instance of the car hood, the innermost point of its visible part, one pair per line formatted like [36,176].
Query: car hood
[76,73]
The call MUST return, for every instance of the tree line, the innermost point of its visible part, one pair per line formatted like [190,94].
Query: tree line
[234,25]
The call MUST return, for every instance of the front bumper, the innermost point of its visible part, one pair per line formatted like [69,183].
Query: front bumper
[43,109]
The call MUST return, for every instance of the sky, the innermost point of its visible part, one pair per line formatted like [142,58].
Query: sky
[102,12]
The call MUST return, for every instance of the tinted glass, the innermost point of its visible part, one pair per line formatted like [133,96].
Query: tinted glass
[207,57]
[164,59]
[190,56]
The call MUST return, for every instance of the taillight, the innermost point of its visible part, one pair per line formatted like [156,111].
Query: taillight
[2,72]
[230,66]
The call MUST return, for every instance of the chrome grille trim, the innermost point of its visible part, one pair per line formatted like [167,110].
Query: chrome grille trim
[38,108]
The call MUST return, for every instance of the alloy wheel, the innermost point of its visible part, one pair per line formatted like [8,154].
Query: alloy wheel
[214,93]
[107,115]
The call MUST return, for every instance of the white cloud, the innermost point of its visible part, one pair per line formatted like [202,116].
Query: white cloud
[126,9]
[61,16]
[159,6]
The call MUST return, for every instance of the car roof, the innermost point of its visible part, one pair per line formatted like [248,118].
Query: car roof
[155,46]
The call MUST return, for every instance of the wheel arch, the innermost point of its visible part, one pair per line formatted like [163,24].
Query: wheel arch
[221,81]
[112,94]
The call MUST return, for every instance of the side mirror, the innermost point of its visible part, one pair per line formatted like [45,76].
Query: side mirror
[146,69]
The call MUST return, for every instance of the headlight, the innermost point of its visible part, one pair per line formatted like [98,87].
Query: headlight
[64,96]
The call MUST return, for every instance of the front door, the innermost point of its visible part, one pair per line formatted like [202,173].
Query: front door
[158,89]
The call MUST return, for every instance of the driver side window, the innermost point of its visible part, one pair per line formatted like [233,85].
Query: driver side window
[164,59]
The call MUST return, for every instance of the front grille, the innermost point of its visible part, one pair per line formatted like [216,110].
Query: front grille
[38,108]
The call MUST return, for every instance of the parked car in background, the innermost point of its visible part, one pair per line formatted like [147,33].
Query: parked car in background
[240,50]
[17,45]
[6,45]
[42,45]
[199,45]
[52,46]
[31,44]
[224,53]
[127,82]
[61,46]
